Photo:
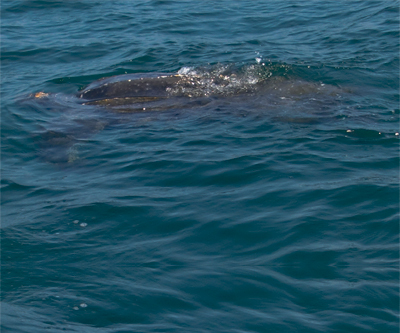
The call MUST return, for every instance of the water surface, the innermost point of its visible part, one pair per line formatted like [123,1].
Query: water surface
[267,201]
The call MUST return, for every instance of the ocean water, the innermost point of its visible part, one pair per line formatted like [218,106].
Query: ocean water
[265,198]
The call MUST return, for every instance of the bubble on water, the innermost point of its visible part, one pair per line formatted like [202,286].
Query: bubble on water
[75,308]
[349,131]
[76,221]
[83,305]
[83,224]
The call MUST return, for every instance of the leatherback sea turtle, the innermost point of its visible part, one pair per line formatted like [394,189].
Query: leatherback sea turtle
[255,88]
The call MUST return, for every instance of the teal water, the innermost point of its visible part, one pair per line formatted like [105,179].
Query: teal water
[235,209]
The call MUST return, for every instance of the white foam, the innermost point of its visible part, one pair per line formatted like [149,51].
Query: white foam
[187,71]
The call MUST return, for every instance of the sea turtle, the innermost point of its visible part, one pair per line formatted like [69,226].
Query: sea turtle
[290,100]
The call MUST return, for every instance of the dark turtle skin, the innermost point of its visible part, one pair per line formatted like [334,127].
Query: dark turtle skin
[130,85]
[134,88]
